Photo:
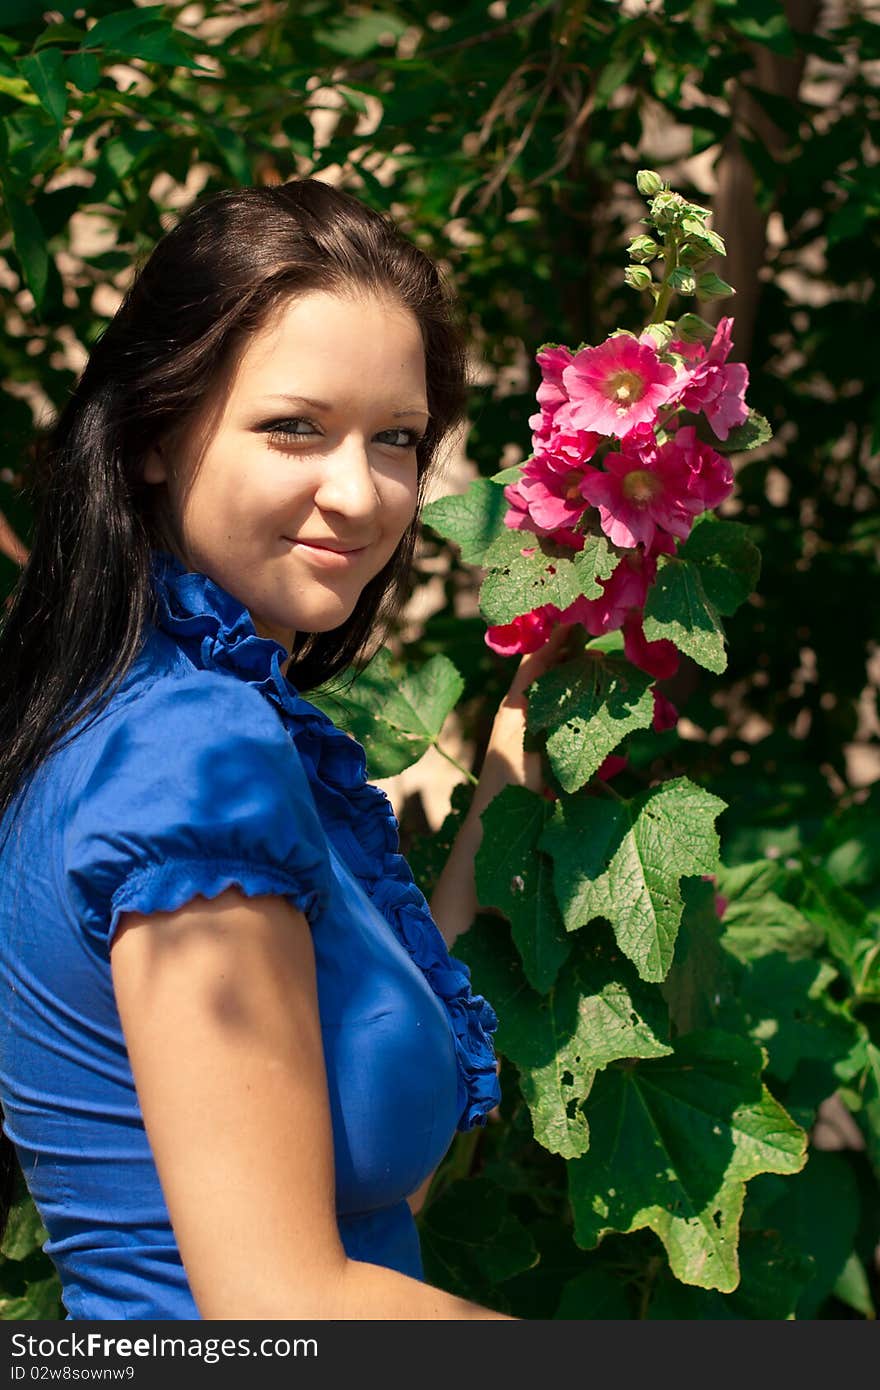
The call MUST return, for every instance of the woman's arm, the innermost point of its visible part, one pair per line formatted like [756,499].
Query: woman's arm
[454,900]
[219,1005]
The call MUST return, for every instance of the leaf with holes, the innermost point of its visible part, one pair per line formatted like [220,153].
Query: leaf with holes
[596,1013]
[674,1142]
[515,877]
[546,575]
[678,610]
[588,705]
[624,861]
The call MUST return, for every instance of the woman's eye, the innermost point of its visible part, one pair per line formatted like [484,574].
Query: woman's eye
[284,430]
[406,439]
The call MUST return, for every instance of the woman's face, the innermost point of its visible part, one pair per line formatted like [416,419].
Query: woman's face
[296,489]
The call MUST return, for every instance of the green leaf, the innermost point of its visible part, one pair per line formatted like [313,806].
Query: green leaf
[674,1142]
[589,705]
[593,1295]
[146,33]
[84,71]
[597,1012]
[18,89]
[729,562]
[41,1302]
[524,582]
[356,37]
[787,1008]
[755,930]
[396,717]
[471,1240]
[45,72]
[815,1211]
[853,1289]
[507,475]
[678,610]
[25,1231]
[30,245]
[624,861]
[756,430]
[472,520]
[772,1276]
[700,975]
[515,877]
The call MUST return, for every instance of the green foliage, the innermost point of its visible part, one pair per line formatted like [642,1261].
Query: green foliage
[623,861]
[397,718]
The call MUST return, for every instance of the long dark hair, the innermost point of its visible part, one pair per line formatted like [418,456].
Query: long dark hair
[77,615]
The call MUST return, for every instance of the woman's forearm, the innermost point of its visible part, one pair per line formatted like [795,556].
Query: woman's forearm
[454,900]
[374,1292]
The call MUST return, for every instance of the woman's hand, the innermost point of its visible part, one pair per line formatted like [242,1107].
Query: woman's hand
[506,762]
[454,900]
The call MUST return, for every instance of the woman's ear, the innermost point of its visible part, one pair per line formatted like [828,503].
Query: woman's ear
[155,470]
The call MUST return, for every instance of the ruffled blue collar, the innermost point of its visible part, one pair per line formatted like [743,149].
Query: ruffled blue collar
[216,632]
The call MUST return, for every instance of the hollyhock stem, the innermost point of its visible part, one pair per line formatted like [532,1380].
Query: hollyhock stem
[666,290]
[465,772]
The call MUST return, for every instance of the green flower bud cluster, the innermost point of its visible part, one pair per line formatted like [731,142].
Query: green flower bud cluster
[680,239]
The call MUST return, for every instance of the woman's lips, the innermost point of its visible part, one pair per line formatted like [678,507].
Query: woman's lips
[326,555]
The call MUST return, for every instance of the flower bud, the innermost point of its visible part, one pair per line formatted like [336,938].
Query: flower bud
[667,209]
[683,280]
[648,183]
[711,286]
[638,277]
[661,334]
[643,248]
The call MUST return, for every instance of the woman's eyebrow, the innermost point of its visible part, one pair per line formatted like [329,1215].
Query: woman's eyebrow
[325,405]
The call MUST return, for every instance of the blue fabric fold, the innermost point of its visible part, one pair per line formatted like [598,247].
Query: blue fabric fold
[216,632]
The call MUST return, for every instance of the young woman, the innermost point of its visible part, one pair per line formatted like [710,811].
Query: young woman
[233,1042]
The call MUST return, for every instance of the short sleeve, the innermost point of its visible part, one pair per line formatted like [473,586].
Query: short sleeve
[193,786]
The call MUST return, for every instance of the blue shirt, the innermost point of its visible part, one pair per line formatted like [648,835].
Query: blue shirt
[207,770]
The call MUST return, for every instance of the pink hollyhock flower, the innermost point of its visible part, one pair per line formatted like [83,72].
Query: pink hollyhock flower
[712,385]
[659,659]
[641,489]
[525,634]
[547,500]
[625,588]
[665,713]
[552,429]
[618,385]
[710,474]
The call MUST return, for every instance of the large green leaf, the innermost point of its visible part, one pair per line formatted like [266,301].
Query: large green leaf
[678,610]
[674,1142]
[29,241]
[45,72]
[472,519]
[396,716]
[786,1006]
[588,705]
[597,1012]
[514,876]
[815,1211]
[524,582]
[700,977]
[729,562]
[471,1240]
[624,861]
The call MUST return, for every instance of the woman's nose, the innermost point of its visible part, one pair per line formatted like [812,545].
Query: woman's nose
[347,484]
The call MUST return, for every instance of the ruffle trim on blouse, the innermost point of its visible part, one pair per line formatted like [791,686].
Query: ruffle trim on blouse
[217,632]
